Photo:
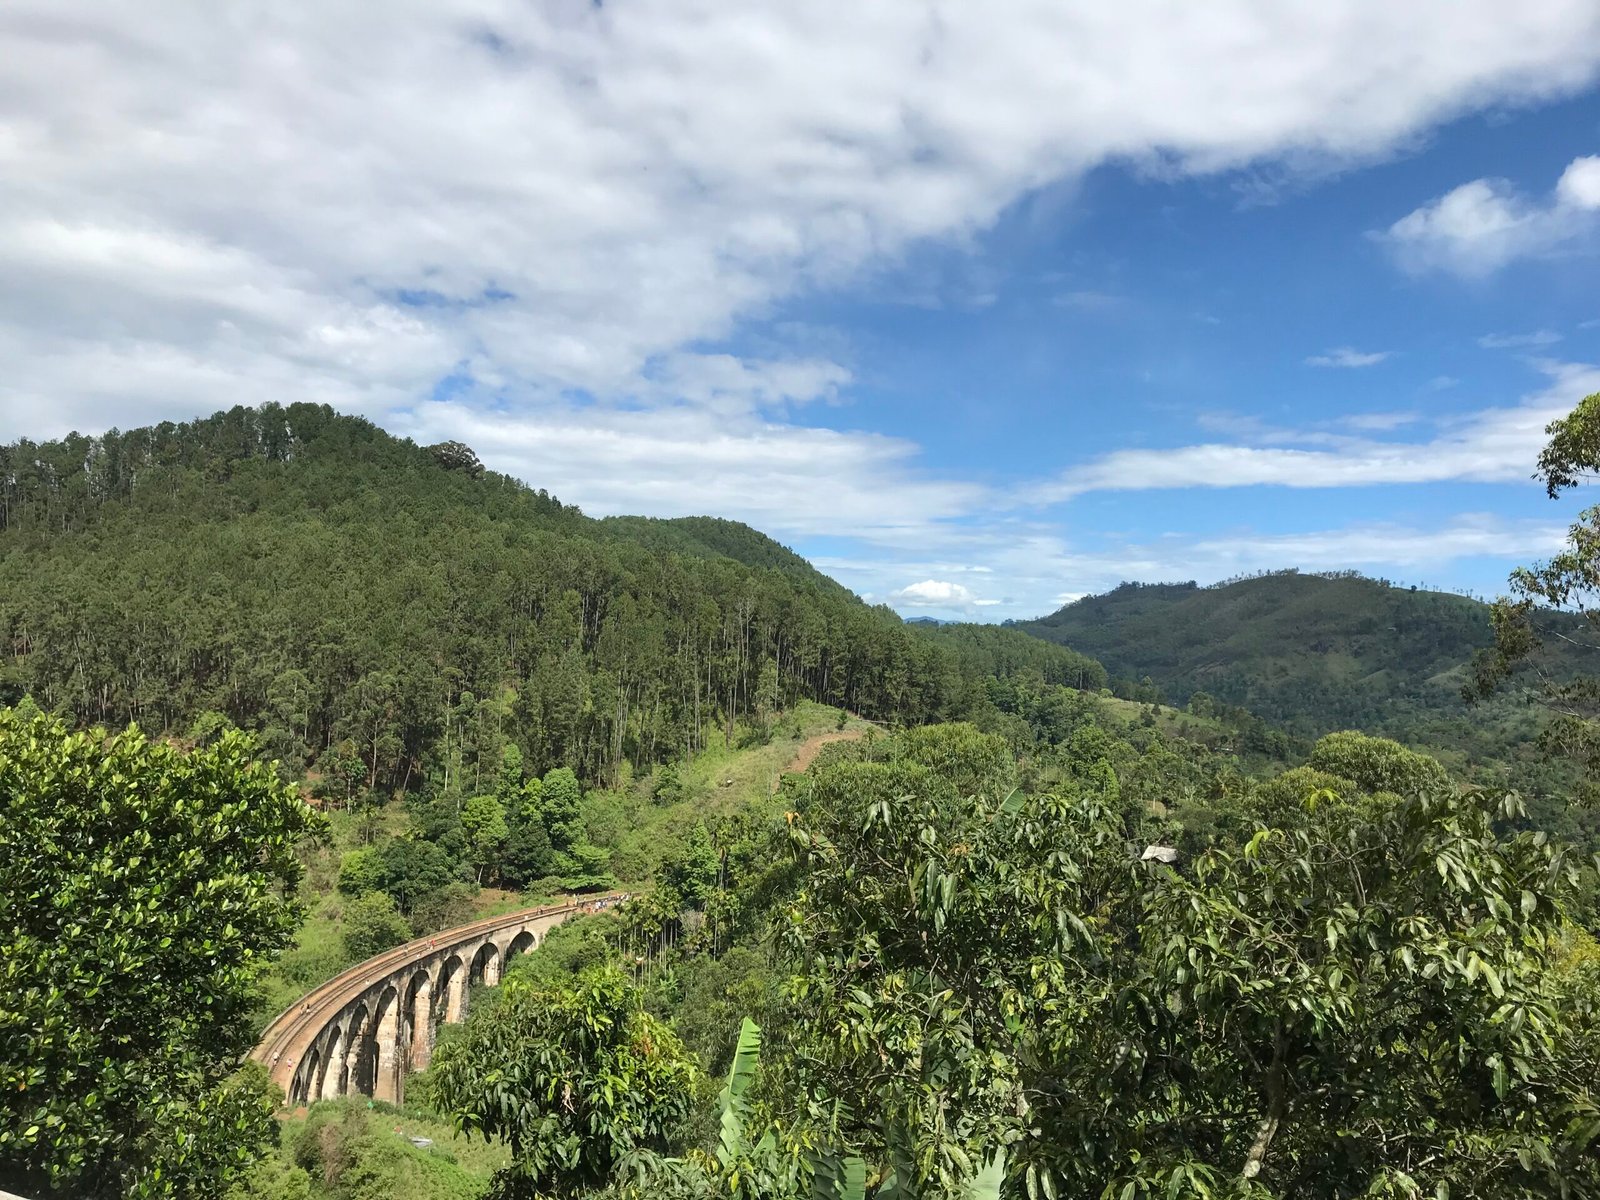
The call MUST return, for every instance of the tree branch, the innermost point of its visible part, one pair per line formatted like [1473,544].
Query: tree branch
[1277,1105]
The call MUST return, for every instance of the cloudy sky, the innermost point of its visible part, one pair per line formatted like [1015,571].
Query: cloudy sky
[979,306]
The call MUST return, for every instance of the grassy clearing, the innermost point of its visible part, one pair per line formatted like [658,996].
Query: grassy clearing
[356,1149]
[719,781]
[1171,721]
[736,774]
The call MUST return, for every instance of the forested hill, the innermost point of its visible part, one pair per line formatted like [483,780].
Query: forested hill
[1312,653]
[382,612]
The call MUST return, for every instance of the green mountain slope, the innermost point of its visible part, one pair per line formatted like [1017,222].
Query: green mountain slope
[1312,653]
[385,613]
[716,537]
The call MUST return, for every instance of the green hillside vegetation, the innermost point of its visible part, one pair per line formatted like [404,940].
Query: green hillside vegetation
[984,651]
[962,978]
[413,852]
[715,537]
[1118,713]
[495,698]
[1552,606]
[356,1149]
[383,613]
[387,874]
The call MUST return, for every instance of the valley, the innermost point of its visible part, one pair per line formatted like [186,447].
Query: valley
[565,821]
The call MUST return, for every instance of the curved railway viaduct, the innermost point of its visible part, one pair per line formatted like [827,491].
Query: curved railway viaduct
[366,1029]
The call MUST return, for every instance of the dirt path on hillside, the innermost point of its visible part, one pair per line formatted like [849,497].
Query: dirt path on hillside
[812,746]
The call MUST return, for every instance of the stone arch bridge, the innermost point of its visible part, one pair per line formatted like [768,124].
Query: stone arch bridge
[366,1029]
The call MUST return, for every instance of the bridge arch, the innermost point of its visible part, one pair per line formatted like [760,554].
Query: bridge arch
[485,968]
[357,1047]
[524,941]
[386,1061]
[309,1074]
[416,1020]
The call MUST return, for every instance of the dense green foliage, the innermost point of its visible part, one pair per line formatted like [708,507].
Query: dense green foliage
[142,890]
[381,612]
[355,1149]
[1312,652]
[372,924]
[573,1078]
[1354,997]
[987,652]
[1358,982]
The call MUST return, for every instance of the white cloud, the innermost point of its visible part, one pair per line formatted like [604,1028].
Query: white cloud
[1379,546]
[205,206]
[1490,446]
[1481,226]
[1378,422]
[934,593]
[1346,356]
[1376,545]
[1517,341]
[1578,188]
[1043,571]
[682,460]
[1334,431]
[723,382]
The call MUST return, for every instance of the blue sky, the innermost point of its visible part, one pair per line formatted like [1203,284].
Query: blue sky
[1162,313]
[979,307]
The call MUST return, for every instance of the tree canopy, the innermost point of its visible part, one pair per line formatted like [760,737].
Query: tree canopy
[1557,604]
[575,1078]
[1359,1004]
[1030,932]
[1312,654]
[142,890]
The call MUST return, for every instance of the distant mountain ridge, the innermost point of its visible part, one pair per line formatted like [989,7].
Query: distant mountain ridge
[1312,653]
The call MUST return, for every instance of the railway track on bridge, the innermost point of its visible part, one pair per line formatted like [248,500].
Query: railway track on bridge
[289,1036]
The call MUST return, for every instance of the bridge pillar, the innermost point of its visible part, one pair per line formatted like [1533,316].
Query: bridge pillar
[422,1027]
[387,1084]
[333,1073]
[456,997]
[491,969]
[351,1080]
